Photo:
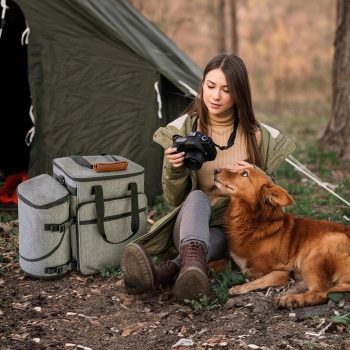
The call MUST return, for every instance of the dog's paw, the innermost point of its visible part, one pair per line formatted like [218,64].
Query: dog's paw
[240,289]
[289,301]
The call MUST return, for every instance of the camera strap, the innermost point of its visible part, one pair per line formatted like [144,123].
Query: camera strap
[231,139]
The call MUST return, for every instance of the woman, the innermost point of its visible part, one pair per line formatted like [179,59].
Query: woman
[223,111]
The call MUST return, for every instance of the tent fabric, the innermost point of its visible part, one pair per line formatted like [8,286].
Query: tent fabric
[15,99]
[94,71]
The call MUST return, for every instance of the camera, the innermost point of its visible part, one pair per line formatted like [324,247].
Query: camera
[198,149]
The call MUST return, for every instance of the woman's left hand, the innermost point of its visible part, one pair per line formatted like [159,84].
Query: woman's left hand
[239,165]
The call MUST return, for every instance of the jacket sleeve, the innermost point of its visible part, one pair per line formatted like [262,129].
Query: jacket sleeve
[275,149]
[176,183]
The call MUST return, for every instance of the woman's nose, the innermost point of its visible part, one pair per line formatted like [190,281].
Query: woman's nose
[216,94]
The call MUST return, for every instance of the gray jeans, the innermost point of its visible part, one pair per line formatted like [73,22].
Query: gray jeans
[192,224]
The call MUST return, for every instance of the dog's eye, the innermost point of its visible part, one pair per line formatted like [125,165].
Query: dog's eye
[245,173]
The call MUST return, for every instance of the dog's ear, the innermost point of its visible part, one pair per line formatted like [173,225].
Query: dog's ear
[276,195]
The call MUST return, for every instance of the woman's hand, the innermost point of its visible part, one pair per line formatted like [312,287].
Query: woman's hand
[239,165]
[175,159]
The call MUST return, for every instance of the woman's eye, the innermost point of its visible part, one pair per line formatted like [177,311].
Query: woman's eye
[210,86]
[244,173]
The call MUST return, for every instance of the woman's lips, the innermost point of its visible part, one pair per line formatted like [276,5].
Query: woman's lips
[215,105]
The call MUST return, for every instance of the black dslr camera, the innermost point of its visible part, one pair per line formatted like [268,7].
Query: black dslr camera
[198,149]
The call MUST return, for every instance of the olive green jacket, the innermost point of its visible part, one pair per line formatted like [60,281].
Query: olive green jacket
[179,182]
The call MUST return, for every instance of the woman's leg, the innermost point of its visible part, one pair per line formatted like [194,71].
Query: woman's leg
[199,242]
[192,222]
[191,237]
[140,274]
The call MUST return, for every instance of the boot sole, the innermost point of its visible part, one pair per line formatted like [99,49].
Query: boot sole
[191,284]
[136,268]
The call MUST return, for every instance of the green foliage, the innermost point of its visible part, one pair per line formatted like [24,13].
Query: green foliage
[6,216]
[310,346]
[322,160]
[110,271]
[222,282]
[309,198]
[160,207]
[344,320]
[337,296]
[203,303]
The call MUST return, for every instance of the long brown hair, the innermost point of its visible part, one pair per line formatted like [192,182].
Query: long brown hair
[238,83]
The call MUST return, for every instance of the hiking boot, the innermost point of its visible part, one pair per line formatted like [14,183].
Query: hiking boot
[140,274]
[165,272]
[192,282]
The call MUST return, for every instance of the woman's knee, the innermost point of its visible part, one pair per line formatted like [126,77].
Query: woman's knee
[198,196]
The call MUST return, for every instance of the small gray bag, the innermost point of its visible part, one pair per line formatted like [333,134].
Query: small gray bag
[109,207]
[43,216]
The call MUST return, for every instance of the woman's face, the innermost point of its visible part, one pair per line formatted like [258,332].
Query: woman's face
[216,94]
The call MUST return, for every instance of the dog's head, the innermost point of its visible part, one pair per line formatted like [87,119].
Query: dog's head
[252,186]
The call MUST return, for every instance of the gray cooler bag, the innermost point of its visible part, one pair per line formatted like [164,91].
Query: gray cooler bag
[109,208]
[43,216]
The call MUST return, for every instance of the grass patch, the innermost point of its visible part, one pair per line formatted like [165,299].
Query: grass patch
[7,216]
[160,208]
[309,198]
[342,320]
[110,271]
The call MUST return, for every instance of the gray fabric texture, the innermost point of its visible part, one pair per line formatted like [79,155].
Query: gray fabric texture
[90,252]
[42,200]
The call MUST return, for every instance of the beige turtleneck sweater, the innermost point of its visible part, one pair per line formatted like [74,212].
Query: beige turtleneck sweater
[219,130]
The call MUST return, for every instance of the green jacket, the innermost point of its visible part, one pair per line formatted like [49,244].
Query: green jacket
[179,182]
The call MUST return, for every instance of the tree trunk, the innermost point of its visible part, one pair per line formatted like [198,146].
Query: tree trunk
[234,34]
[337,134]
[222,26]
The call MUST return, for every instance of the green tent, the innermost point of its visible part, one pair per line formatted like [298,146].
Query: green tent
[103,79]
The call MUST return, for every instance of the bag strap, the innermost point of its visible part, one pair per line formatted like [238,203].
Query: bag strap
[62,228]
[97,190]
[58,269]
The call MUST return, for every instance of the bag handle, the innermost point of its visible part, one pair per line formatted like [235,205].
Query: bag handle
[85,163]
[114,165]
[97,190]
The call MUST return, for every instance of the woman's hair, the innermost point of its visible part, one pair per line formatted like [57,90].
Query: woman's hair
[236,75]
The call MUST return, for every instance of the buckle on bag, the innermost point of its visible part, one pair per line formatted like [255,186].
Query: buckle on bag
[54,228]
[52,270]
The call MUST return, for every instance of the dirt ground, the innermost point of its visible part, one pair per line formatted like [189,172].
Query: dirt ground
[95,312]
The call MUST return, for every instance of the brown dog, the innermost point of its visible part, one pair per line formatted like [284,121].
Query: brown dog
[269,244]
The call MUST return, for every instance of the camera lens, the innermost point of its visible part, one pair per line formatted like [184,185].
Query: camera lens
[194,160]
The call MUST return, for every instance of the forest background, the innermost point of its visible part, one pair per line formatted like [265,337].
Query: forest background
[287,45]
[289,50]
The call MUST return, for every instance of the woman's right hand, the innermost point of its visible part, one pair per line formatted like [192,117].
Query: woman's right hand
[175,159]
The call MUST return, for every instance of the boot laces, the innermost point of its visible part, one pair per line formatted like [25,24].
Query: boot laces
[165,265]
[194,251]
